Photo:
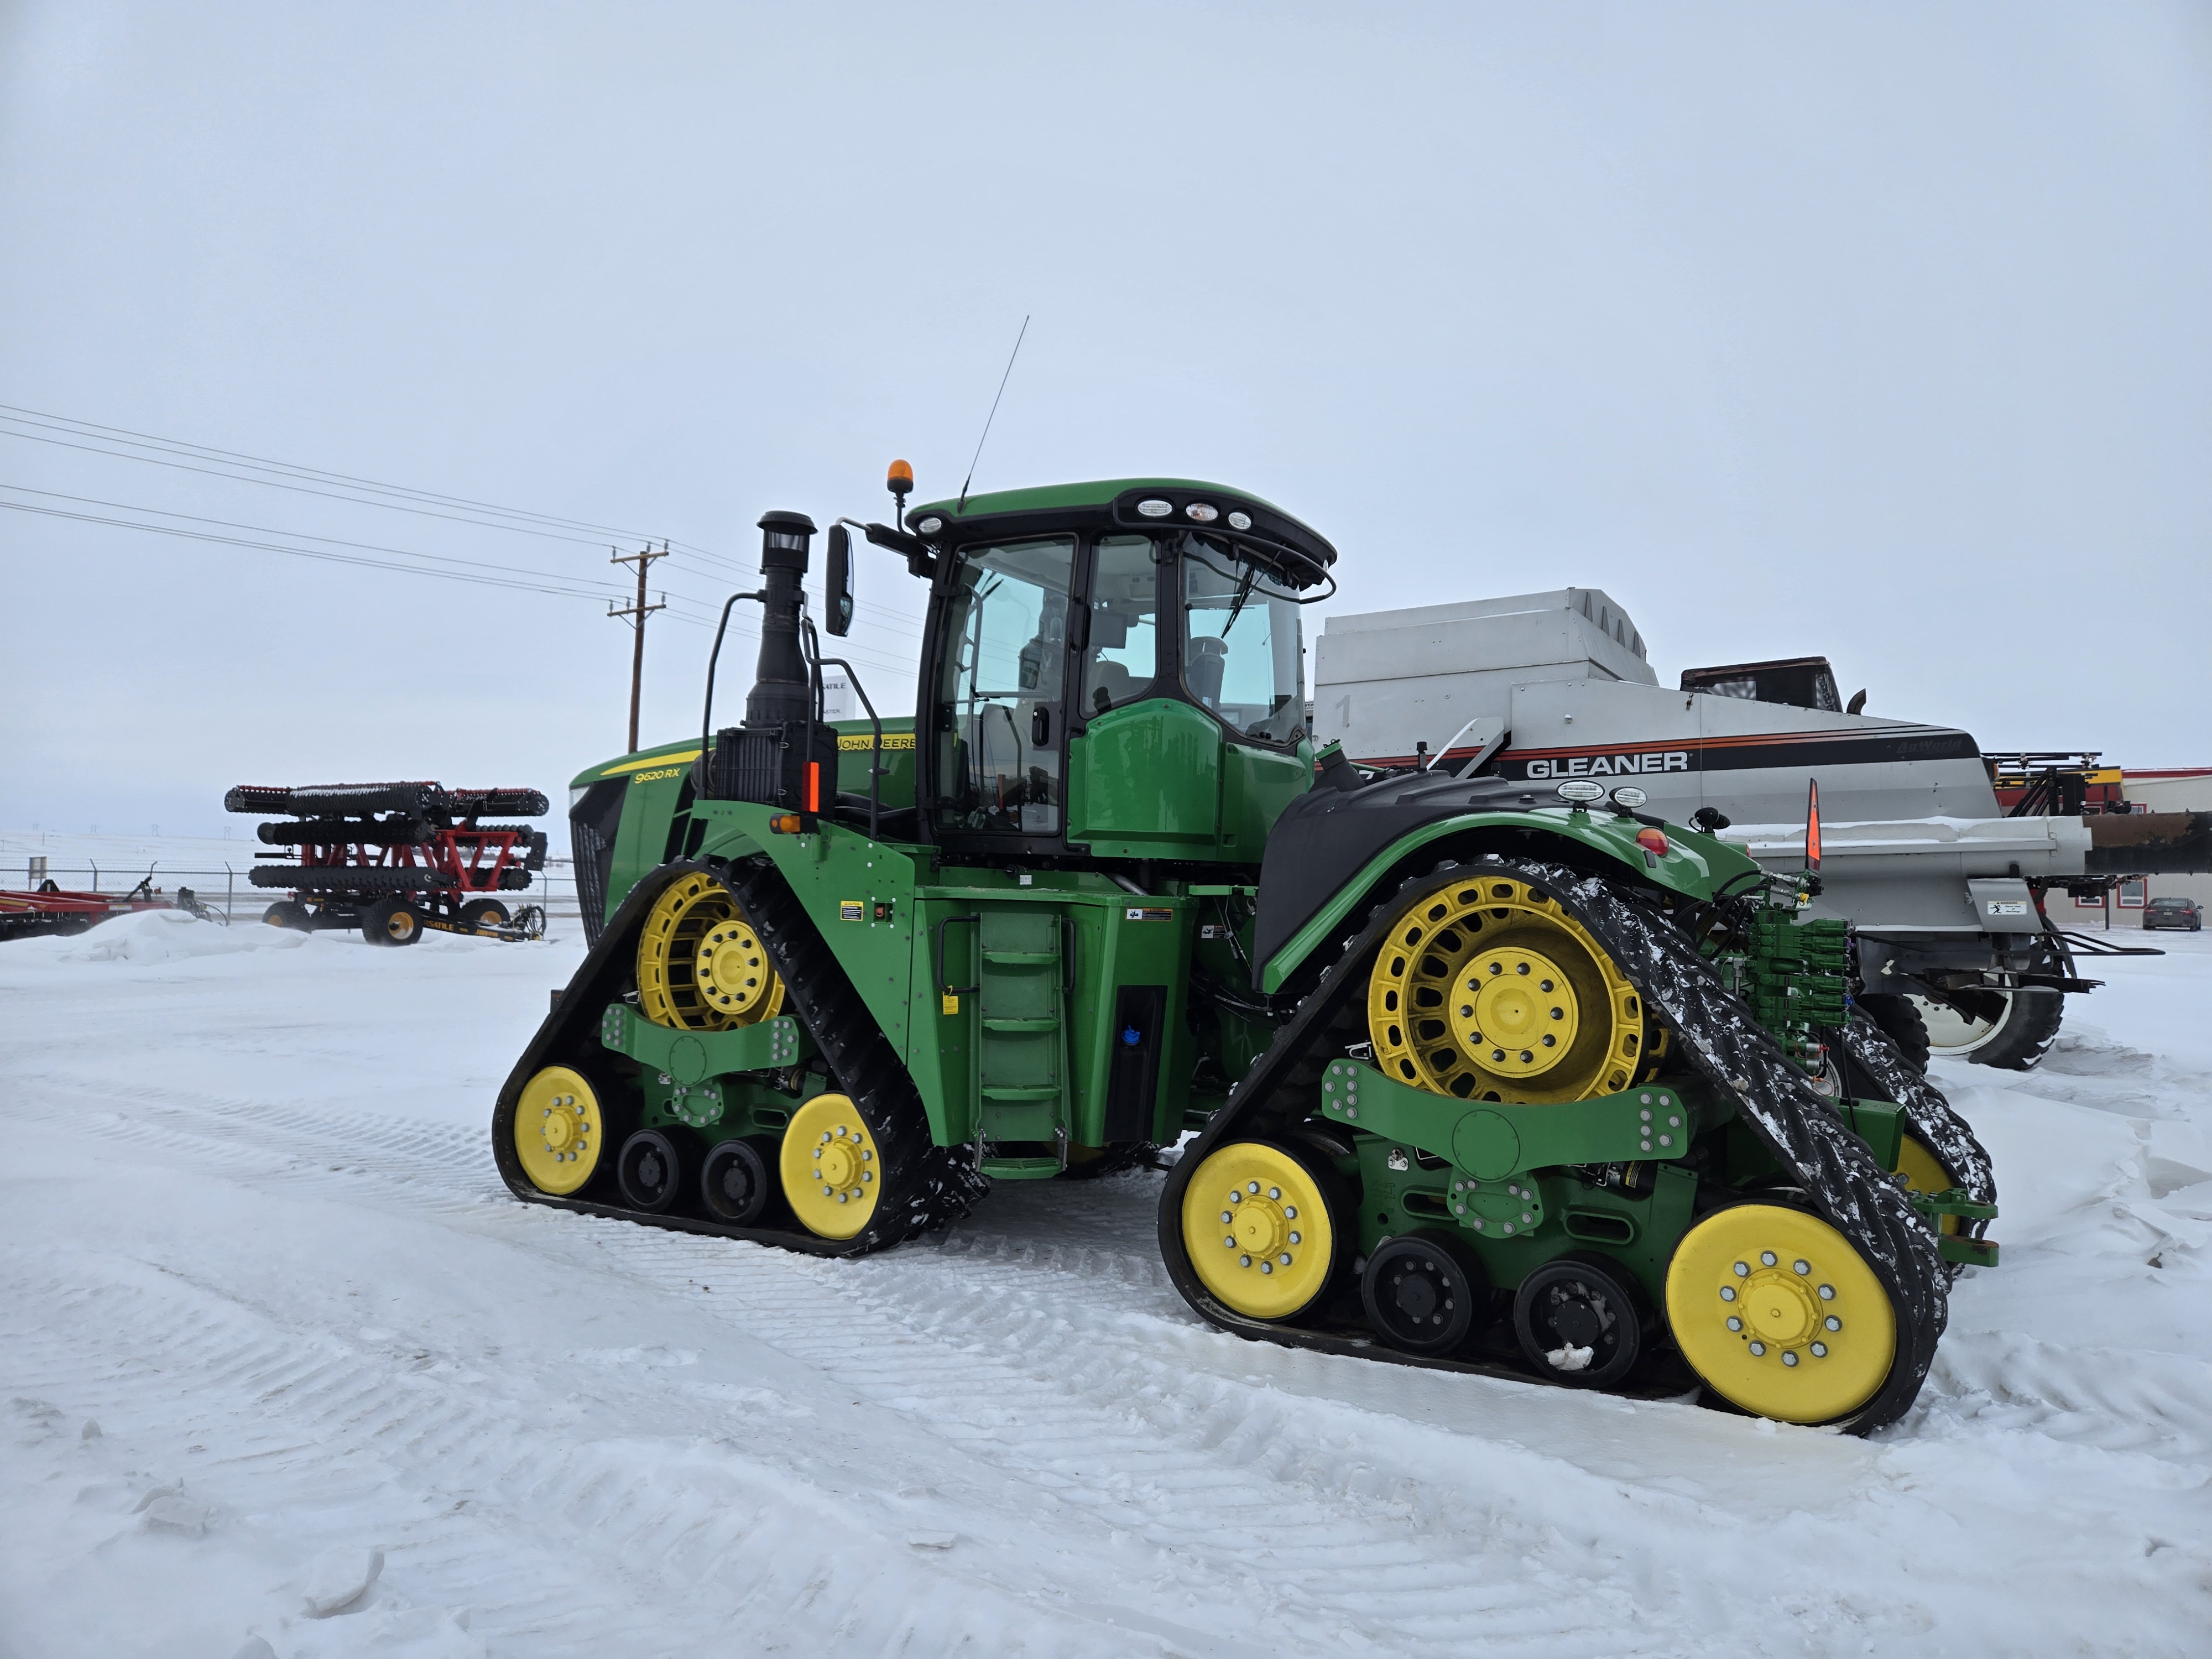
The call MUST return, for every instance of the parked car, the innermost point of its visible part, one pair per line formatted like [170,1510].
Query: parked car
[2174,912]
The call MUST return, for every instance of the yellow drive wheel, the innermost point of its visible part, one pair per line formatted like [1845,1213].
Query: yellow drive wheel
[699,964]
[832,1173]
[1487,991]
[1779,1315]
[558,1130]
[1916,1163]
[1257,1227]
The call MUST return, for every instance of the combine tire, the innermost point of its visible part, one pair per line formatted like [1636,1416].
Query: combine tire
[2015,1038]
[391,921]
[1898,1018]
[2029,1028]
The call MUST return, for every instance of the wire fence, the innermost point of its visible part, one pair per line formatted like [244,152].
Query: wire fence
[231,895]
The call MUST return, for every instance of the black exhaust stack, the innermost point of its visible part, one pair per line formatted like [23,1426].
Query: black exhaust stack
[783,755]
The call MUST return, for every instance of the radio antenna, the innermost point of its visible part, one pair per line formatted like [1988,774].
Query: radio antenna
[993,415]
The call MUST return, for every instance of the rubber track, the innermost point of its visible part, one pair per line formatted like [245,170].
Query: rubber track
[1931,1117]
[925,1185]
[1719,1038]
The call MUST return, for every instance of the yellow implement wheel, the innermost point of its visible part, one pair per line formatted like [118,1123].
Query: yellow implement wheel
[1916,1163]
[1779,1315]
[558,1130]
[699,964]
[1487,991]
[1257,1228]
[831,1173]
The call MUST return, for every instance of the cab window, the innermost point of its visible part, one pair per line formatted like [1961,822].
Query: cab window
[1122,655]
[1241,656]
[999,701]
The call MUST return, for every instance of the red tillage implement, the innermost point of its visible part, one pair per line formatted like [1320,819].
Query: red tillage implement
[394,859]
[27,912]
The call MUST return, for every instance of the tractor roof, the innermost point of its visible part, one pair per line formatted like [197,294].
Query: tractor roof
[1134,504]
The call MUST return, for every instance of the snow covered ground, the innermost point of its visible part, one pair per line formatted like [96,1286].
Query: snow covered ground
[250,1229]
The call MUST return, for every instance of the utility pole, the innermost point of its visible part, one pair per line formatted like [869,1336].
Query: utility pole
[637,613]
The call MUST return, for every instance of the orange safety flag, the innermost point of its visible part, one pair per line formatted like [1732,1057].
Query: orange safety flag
[1812,825]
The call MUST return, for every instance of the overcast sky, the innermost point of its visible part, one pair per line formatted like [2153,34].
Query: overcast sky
[1880,332]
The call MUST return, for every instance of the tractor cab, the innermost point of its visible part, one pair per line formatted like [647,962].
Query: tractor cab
[1112,670]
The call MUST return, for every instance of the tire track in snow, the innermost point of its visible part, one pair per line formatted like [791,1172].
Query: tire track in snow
[990,1343]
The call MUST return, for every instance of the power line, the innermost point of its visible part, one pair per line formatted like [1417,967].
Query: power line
[570,593]
[175,445]
[298,535]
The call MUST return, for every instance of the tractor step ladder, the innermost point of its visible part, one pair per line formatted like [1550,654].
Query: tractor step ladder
[1021,1049]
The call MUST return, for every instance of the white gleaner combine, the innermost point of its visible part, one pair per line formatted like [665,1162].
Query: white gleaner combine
[1944,889]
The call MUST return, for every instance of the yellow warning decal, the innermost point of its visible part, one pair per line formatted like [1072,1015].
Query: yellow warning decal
[852,910]
[865,742]
[951,1005]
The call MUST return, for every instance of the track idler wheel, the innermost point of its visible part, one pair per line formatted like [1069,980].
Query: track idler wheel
[559,1129]
[832,1173]
[1778,1315]
[1261,1225]
[1580,1321]
[1423,1293]
[735,1184]
[655,1170]
[391,921]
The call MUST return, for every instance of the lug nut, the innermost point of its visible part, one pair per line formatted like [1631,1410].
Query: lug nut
[1728,1292]
[1833,1323]
[1290,1212]
[1758,1349]
[1767,1258]
[1741,1270]
[1243,1261]
[1801,1267]
[1827,1293]
[1819,1351]
[1298,1238]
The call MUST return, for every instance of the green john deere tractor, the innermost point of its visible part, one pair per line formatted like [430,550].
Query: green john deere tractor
[1482,1077]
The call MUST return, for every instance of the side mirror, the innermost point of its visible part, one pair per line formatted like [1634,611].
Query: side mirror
[837,582]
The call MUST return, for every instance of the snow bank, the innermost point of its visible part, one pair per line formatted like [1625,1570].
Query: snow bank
[153,936]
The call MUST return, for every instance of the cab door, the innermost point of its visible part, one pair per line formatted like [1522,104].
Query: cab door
[999,725]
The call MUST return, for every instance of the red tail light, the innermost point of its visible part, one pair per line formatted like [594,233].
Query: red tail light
[1651,840]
